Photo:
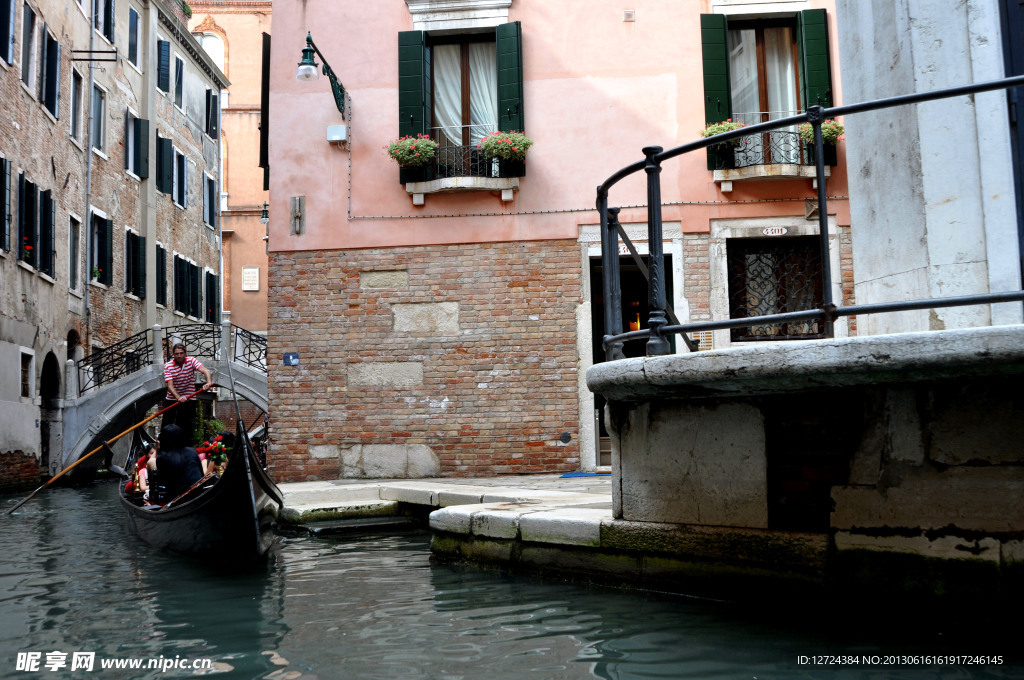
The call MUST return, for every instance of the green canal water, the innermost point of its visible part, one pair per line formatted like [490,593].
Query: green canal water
[74,581]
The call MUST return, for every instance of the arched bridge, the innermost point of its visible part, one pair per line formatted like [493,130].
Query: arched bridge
[113,388]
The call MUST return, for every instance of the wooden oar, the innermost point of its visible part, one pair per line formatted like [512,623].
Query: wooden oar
[207,476]
[99,448]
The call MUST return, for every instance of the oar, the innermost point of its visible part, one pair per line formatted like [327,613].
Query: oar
[99,448]
[207,476]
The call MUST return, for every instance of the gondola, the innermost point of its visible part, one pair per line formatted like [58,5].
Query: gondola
[231,517]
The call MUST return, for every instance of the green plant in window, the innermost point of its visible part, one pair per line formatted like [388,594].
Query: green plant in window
[721,127]
[96,272]
[411,152]
[186,9]
[510,146]
[831,132]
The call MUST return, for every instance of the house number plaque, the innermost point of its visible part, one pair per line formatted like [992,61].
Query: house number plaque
[774,231]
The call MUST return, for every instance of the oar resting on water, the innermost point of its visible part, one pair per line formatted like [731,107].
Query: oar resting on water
[104,446]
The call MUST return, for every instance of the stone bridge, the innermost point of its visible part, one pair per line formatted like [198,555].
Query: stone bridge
[113,388]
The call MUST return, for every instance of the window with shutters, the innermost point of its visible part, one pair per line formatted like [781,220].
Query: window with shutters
[212,297]
[209,200]
[187,287]
[456,89]
[76,105]
[134,263]
[180,188]
[161,274]
[212,119]
[28,35]
[7,8]
[179,82]
[133,36]
[74,237]
[49,72]
[28,220]
[46,244]
[136,145]
[758,70]
[99,111]
[103,17]
[101,249]
[164,165]
[163,65]
[5,204]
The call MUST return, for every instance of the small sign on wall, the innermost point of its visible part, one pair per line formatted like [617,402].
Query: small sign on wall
[774,231]
[250,278]
[291,359]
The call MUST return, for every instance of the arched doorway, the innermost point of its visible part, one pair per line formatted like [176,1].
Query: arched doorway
[50,414]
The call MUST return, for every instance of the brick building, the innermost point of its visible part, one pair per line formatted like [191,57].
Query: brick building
[439,320]
[110,173]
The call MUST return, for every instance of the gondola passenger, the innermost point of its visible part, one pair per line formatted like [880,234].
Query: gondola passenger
[177,463]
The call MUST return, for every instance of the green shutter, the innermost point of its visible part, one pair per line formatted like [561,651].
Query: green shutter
[164,165]
[163,77]
[142,147]
[813,57]
[714,37]
[413,83]
[509,38]
[140,267]
[5,204]
[107,275]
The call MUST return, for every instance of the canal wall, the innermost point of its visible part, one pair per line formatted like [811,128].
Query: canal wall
[902,452]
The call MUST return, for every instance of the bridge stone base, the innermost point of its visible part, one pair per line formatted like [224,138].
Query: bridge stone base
[902,450]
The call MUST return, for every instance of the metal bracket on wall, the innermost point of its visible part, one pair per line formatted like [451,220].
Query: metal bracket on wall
[298,214]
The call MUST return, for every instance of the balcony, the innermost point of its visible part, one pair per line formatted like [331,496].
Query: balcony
[459,168]
[775,155]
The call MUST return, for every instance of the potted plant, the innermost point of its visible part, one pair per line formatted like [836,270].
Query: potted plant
[413,155]
[510,149]
[721,155]
[727,125]
[831,132]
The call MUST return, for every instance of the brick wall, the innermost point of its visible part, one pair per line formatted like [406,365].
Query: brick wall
[468,350]
[18,471]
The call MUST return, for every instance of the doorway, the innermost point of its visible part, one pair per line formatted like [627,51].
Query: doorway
[635,312]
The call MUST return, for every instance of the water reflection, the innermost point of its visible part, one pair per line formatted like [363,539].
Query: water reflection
[73,579]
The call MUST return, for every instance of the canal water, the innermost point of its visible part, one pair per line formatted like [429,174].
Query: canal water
[73,581]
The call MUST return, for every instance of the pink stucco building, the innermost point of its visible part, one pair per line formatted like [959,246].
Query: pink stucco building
[438,320]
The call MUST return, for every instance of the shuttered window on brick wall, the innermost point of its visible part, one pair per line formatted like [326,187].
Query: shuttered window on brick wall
[49,72]
[164,165]
[28,224]
[47,245]
[187,287]
[5,204]
[161,275]
[212,298]
[163,68]
[135,264]
[101,249]
[136,145]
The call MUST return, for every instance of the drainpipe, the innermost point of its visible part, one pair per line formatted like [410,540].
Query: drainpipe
[88,177]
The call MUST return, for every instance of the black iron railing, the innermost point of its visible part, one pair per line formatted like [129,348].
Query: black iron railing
[250,348]
[201,340]
[106,365]
[826,311]
[776,147]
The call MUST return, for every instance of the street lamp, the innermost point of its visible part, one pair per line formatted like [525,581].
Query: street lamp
[308,71]
[265,217]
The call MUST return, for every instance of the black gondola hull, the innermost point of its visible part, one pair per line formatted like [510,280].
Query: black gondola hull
[233,519]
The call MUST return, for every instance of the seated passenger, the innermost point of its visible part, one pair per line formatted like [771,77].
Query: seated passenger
[177,463]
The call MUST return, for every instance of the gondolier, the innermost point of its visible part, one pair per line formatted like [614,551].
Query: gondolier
[180,376]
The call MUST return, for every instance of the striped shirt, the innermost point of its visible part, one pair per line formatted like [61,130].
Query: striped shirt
[183,377]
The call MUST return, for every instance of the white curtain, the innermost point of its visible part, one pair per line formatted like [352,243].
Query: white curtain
[781,72]
[448,94]
[483,90]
